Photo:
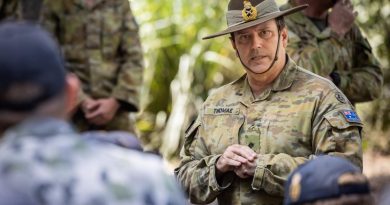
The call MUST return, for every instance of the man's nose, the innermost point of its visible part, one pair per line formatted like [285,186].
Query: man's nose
[257,42]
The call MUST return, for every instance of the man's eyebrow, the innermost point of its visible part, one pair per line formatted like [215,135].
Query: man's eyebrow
[257,29]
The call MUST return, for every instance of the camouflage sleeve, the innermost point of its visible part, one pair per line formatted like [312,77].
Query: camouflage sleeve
[9,9]
[51,11]
[361,82]
[50,17]
[129,78]
[272,171]
[364,80]
[197,172]
[311,55]
[332,134]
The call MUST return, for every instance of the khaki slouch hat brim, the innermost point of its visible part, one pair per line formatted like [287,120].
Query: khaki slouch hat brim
[266,10]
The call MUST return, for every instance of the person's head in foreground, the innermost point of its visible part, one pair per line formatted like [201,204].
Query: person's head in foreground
[33,79]
[43,160]
[327,180]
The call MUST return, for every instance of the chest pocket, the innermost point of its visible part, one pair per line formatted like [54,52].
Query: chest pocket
[221,127]
[287,133]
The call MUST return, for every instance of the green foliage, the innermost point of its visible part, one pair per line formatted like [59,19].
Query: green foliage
[374,19]
[169,31]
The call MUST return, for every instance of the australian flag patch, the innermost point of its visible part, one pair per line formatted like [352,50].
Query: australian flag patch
[351,116]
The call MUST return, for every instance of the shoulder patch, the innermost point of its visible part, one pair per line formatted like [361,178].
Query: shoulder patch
[351,116]
[340,97]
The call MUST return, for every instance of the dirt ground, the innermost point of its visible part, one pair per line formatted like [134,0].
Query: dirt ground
[375,164]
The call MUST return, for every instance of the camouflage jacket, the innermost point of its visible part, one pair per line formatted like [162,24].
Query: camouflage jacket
[300,116]
[8,9]
[20,9]
[322,52]
[45,162]
[100,41]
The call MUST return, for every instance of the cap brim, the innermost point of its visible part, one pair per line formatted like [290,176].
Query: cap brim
[263,19]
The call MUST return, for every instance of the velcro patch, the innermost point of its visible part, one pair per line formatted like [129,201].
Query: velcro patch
[351,116]
[222,111]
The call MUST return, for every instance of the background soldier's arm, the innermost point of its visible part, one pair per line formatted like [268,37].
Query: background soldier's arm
[129,78]
[51,12]
[362,82]
[365,79]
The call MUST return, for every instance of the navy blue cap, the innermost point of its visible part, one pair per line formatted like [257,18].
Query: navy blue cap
[325,177]
[28,56]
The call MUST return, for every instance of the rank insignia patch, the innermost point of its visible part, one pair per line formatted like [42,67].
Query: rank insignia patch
[351,116]
[249,12]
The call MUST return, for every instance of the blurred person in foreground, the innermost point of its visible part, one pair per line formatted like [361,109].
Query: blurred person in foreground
[325,39]
[31,10]
[327,180]
[42,159]
[385,195]
[251,133]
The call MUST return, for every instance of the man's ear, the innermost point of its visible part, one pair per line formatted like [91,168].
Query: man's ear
[72,92]
[284,36]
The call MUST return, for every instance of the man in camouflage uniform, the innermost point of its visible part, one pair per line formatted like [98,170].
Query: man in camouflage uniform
[330,44]
[43,160]
[101,45]
[20,9]
[7,9]
[251,133]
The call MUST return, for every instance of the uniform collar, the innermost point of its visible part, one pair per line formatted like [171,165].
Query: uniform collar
[310,27]
[282,82]
[89,4]
[41,127]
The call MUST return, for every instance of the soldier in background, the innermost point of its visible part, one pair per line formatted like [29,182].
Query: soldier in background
[330,44]
[100,41]
[8,9]
[327,180]
[251,133]
[20,10]
[43,160]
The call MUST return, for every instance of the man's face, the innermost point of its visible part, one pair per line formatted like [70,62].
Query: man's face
[256,45]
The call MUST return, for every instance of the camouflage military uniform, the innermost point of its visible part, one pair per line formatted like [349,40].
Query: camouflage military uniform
[101,45]
[8,9]
[301,115]
[322,52]
[45,162]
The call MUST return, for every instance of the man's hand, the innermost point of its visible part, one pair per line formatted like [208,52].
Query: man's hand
[101,111]
[234,157]
[342,17]
[88,105]
[246,169]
